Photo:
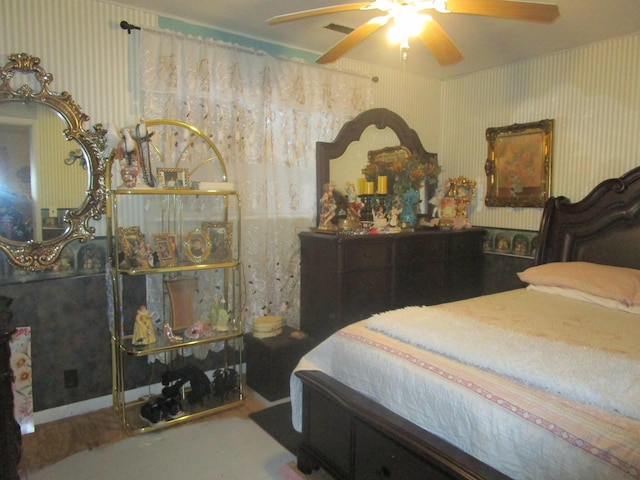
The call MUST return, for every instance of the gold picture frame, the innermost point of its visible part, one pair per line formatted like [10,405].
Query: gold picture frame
[130,240]
[198,246]
[173,177]
[166,249]
[221,236]
[518,165]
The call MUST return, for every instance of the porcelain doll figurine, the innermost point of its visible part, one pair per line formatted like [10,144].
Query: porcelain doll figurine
[328,207]
[219,317]
[143,331]
[354,207]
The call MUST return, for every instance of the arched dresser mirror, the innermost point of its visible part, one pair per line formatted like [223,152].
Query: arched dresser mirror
[52,171]
[394,129]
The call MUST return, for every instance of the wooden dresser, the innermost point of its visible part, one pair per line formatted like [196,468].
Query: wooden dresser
[346,278]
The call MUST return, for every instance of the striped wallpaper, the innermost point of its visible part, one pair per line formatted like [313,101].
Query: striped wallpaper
[592,93]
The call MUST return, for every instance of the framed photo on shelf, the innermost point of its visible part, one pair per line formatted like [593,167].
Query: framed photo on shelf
[173,177]
[166,248]
[134,249]
[198,246]
[518,165]
[220,235]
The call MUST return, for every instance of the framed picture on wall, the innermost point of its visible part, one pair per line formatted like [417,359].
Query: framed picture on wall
[518,165]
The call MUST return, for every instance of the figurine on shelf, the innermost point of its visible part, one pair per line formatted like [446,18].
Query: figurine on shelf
[143,330]
[219,317]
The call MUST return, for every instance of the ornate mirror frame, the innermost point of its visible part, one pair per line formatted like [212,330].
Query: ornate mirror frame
[35,255]
[352,131]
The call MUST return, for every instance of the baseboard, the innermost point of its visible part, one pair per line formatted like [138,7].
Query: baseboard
[91,405]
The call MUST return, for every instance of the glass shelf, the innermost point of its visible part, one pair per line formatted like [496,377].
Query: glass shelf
[170,191]
[209,405]
[163,345]
[178,268]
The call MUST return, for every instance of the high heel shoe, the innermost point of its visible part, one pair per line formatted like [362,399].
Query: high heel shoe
[169,335]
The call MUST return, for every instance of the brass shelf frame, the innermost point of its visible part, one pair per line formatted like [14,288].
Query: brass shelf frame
[122,348]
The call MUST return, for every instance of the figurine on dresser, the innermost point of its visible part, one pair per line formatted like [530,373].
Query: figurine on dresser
[329,207]
[354,207]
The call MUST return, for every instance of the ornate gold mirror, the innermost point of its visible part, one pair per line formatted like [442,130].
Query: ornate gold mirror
[52,180]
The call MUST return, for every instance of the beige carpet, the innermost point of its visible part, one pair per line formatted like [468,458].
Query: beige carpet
[229,449]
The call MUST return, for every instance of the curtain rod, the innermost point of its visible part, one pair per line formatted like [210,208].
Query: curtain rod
[128,27]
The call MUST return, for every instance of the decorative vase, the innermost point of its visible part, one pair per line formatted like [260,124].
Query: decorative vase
[410,199]
[129,175]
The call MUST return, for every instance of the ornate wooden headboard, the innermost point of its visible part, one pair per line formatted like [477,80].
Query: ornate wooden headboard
[603,227]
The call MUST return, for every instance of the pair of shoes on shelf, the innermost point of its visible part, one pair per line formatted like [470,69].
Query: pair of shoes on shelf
[172,408]
[152,413]
[160,409]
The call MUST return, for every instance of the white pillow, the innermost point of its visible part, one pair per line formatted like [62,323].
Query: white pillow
[616,283]
[586,297]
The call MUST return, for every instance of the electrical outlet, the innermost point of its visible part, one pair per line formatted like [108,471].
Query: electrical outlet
[53,212]
[71,378]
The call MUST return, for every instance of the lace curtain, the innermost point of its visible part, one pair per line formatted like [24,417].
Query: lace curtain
[265,115]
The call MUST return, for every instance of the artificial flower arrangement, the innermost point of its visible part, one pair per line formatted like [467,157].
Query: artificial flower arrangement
[404,173]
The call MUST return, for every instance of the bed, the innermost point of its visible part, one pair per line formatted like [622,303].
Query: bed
[540,382]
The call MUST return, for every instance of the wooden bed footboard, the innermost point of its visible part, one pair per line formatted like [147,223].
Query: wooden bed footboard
[352,437]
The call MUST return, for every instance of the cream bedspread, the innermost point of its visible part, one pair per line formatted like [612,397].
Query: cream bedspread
[522,431]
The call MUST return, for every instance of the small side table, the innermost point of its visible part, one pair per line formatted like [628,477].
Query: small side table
[270,362]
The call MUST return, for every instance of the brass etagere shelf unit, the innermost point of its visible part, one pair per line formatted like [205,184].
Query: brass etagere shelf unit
[181,232]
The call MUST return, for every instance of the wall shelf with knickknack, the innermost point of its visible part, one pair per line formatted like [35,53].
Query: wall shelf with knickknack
[177,231]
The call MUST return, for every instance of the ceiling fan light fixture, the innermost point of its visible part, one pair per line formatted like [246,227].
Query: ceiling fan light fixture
[405,25]
[409,20]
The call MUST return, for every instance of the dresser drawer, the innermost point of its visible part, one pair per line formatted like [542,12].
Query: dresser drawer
[466,244]
[421,249]
[378,456]
[367,255]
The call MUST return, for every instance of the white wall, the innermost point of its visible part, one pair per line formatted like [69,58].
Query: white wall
[592,93]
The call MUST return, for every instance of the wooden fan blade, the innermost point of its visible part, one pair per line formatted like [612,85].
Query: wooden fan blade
[533,12]
[440,44]
[316,11]
[351,40]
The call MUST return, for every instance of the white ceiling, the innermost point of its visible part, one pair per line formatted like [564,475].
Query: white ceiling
[485,42]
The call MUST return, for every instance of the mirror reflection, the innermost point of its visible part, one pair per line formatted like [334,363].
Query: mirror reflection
[348,166]
[36,184]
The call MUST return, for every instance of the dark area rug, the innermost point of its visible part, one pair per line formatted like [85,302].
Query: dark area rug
[276,421]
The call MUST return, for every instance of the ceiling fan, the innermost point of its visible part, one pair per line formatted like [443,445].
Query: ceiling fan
[409,20]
